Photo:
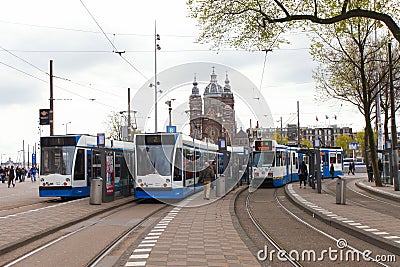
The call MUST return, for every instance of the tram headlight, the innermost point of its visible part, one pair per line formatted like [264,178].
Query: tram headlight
[139,181]
[68,180]
[41,179]
[168,180]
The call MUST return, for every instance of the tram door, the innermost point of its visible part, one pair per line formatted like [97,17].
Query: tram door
[79,169]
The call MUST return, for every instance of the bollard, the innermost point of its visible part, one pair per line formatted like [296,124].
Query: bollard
[96,188]
[341,191]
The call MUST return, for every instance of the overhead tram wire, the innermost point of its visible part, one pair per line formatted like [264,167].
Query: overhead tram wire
[45,72]
[27,62]
[30,75]
[46,81]
[96,32]
[270,48]
[112,44]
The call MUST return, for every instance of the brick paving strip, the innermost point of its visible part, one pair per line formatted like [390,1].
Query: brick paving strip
[197,236]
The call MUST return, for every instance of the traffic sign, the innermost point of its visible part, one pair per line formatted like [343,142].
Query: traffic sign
[171,129]
[353,146]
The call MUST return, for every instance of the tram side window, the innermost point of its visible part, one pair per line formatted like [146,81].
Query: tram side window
[295,160]
[339,158]
[332,158]
[278,158]
[188,163]
[178,165]
[79,170]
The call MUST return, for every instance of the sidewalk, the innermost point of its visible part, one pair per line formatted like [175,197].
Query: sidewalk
[196,232]
[376,228]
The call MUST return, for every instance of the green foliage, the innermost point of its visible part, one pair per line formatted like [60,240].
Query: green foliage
[306,143]
[261,24]
[343,141]
[360,140]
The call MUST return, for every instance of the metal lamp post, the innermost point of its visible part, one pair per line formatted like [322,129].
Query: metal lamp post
[156,47]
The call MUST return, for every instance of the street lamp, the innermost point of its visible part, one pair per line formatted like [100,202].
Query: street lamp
[66,127]
[156,47]
[169,103]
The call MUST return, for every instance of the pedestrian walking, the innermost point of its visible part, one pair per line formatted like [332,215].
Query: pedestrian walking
[11,177]
[207,175]
[33,174]
[2,175]
[332,171]
[303,173]
[351,168]
[23,174]
[19,174]
[380,168]
[370,171]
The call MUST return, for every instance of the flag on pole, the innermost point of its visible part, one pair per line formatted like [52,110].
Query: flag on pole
[335,117]
[316,118]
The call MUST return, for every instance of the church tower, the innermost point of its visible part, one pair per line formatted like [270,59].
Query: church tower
[196,109]
[218,119]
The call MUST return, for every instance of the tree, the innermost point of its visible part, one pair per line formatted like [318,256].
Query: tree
[343,141]
[346,53]
[306,143]
[113,123]
[257,24]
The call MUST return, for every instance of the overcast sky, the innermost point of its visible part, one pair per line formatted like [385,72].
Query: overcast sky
[92,81]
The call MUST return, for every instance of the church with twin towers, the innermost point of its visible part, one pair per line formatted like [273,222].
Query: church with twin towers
[212,115]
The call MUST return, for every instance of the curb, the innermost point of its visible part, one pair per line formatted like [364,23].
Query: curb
[343,227]
[377,192]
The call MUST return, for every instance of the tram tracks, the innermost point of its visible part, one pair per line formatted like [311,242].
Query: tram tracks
[121,238]
[282,246]
[113,238]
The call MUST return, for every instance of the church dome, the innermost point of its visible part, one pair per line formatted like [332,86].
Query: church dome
[213,88]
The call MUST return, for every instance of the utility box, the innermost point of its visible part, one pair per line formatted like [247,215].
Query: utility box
[341,191]
[96,188]
[220,186]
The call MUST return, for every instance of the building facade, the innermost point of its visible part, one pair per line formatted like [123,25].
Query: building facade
[212,115]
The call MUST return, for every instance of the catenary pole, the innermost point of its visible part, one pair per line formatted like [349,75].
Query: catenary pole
[51,100]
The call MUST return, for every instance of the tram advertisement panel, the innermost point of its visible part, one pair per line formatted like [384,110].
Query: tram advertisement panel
[109,173]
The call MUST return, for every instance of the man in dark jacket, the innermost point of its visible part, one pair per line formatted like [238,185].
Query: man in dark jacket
[207,176]
[11,177]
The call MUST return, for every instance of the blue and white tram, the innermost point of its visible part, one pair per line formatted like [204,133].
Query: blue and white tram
[271,163]
[276,165]
[69,162]
[168,164]
[331,156]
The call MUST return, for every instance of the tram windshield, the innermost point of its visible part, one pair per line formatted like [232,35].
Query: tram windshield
[57,160]
[154,159]
[263,159]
